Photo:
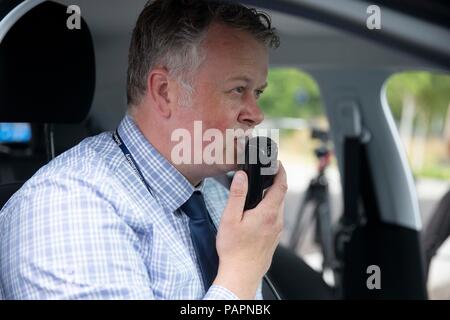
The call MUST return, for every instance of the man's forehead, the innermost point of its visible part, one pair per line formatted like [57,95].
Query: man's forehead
[237,56]
[228,51]
[222,36]
[229,70]
[245,78]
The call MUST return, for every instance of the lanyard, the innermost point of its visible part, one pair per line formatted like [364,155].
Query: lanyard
[118,140]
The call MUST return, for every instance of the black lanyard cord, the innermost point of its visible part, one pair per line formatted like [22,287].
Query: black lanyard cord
[118,140]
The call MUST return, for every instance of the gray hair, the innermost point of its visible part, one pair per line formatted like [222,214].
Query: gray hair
[170,32]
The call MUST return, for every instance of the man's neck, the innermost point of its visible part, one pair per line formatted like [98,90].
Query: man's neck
[164,147]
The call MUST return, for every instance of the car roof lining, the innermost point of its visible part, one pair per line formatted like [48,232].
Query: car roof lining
[407,35]
[434,11]
[305,43]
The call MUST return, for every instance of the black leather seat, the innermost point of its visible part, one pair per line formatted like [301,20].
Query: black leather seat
[7,190]
[294,279]
[47,75]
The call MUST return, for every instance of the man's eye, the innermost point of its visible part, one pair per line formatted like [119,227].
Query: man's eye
[239,90]
[258,93]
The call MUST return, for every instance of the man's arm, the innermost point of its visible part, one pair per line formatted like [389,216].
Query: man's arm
[63,240]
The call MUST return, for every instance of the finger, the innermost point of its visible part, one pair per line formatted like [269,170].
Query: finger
[275,194]
[236,200]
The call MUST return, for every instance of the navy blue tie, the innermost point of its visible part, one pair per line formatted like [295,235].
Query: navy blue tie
[203,235]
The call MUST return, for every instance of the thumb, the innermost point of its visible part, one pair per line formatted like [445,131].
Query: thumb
[237,195]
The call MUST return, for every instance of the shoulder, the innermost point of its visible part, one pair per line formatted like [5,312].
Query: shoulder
[83,168]
[90,181]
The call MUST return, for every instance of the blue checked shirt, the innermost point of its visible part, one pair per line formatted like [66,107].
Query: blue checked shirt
[86,227]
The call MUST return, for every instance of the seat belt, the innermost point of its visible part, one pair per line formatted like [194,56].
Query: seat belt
[350,219]
[352,179]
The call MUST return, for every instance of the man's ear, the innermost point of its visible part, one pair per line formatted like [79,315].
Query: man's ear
[158,86]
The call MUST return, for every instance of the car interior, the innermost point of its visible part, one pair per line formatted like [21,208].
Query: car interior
[68,85]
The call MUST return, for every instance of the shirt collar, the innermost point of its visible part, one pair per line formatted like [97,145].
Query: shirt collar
[169,186]
[200,186]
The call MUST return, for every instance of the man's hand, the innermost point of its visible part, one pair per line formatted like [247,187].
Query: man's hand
[246,241]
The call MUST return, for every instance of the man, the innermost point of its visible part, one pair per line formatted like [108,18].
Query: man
[116,217]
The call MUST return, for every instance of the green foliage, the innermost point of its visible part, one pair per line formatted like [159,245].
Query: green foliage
[291,93]
[431,93]
[434,171]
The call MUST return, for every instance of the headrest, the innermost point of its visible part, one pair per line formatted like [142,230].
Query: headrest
[47,71]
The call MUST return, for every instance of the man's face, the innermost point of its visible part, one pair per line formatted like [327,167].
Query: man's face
[227,87]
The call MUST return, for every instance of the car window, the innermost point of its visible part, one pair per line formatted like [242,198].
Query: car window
[292,103]
[420,105]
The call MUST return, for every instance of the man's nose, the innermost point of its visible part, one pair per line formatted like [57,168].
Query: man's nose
[252,114]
